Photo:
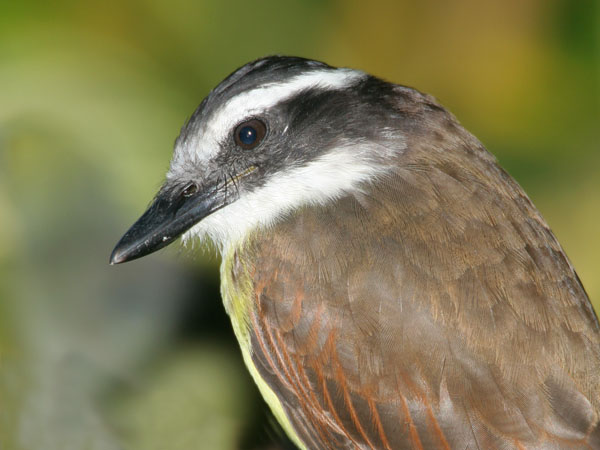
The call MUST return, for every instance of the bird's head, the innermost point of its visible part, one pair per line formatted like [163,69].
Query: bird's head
[278,134]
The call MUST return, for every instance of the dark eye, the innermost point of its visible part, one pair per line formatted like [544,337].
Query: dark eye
[249,134]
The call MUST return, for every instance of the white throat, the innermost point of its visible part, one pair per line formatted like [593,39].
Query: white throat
[339,172]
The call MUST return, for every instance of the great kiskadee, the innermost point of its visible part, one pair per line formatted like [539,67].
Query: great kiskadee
[389,284]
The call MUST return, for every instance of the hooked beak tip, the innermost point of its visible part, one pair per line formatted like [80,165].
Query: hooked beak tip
[117,257]
[169,216]
[125,251]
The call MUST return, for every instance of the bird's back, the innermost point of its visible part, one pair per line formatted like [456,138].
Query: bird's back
[434,309]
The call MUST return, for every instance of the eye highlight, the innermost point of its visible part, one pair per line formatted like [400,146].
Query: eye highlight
[249,134]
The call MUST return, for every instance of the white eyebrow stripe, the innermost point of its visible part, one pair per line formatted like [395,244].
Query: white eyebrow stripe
[254,102]
[269,95]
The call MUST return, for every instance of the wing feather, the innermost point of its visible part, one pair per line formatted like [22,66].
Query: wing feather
[435,309]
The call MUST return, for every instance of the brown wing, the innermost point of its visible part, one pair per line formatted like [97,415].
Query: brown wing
[436,310]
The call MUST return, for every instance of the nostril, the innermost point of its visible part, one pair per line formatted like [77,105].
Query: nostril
[190,190]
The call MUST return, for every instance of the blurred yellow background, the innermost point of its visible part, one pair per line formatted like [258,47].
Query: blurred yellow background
[92,96]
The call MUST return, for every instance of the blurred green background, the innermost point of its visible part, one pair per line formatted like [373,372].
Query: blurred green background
[92,96]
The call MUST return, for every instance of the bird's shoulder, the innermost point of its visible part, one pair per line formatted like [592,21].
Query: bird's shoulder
[428,310]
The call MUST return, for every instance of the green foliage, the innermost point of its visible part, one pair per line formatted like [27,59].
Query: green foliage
[92,95]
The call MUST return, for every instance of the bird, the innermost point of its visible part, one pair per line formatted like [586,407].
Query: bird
[390,285]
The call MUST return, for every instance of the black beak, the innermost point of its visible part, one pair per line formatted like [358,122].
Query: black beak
[173,212]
